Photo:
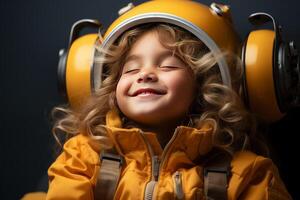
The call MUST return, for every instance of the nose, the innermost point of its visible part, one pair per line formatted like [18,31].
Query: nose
[147,76]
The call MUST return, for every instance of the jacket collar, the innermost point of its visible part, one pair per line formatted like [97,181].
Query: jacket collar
[193,142]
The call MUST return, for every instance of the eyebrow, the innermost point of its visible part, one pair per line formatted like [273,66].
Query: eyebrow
[161,56]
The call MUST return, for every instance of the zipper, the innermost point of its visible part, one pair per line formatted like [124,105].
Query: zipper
[157,165]
[150,186]
[165,151]
[178,185]
[149,191]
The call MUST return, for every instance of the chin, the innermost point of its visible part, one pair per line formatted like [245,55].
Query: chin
[154,120]
[146,119]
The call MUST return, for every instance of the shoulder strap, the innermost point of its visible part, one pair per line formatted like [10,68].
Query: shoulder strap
[108,177]
[216,175]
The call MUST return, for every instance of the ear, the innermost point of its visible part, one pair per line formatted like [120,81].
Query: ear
[271,71]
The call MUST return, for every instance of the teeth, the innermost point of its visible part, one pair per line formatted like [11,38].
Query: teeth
[146,93]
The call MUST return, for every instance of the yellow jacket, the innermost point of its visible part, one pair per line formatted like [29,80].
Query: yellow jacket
[73,175]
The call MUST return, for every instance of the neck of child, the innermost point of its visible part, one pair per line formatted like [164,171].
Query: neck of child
[164,132]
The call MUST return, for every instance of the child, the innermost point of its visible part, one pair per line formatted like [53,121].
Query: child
[164,109]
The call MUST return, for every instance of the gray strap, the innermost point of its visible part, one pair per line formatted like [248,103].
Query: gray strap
[108,177]
[216,183]
[216,176]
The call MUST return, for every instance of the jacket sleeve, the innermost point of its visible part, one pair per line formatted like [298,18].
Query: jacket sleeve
[256,177]
[73,174]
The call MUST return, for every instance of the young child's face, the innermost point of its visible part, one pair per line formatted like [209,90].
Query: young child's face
[155,87]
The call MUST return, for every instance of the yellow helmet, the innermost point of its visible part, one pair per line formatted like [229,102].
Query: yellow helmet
[271,66]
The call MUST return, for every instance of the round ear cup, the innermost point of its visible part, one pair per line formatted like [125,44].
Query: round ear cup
[75,63]
[271,78]
[259,76]
[78,69]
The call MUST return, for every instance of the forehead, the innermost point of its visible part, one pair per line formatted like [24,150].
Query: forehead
[148,44]
[151,37]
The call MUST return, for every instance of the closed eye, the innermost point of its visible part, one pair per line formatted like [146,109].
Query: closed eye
[171,62]
[168,67]
[130,70]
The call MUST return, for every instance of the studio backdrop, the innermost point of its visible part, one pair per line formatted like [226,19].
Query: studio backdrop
[33,32]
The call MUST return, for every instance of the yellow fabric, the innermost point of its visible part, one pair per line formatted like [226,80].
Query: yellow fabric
[73,175]
[34,196]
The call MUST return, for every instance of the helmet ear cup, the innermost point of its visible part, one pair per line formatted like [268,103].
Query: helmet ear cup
[75,63]
[259,79]
[79,69]
[271,82]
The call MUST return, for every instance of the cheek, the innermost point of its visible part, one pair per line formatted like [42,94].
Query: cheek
[122,90]
[119,90]
[182,85]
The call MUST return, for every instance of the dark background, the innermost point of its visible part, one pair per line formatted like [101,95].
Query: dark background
[33,31]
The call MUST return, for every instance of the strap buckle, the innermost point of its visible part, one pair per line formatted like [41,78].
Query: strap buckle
[223,170]
[112,157]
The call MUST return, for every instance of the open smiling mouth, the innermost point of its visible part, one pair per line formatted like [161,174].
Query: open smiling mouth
[147,92]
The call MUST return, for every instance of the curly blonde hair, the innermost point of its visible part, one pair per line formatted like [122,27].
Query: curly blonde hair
[215,103]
